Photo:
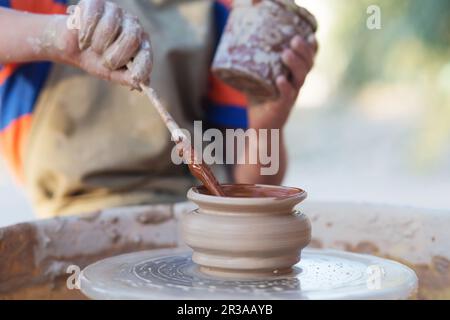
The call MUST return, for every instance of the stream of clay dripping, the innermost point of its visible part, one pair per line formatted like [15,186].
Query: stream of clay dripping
[198,169]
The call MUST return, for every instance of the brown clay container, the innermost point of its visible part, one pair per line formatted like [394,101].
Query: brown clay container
[249,54]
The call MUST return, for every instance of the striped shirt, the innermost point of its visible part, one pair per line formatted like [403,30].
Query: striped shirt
[21,84]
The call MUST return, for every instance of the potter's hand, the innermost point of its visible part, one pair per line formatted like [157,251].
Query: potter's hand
[299,58]
[102,39]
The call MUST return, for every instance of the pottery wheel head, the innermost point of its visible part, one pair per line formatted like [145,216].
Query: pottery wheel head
[171,274]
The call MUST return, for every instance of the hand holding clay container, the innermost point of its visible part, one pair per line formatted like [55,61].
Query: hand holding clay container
[253,232]
[249,55]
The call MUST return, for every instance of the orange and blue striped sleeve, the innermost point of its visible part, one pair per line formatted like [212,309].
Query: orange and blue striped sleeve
[226,107]
[20,85]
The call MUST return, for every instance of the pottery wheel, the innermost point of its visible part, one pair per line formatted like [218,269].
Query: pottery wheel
[322,274]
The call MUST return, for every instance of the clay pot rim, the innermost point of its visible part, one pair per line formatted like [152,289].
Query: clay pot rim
[298,196]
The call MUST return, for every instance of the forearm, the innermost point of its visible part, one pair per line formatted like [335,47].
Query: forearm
[103,40]
[252,173]
[27,37]
[299,59]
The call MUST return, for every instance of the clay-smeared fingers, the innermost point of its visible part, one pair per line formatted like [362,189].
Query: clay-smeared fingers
[288,94]
[304,50]
[297,66]
[108,28]
[91,12]
[126,45]
[142,64]
[122,76]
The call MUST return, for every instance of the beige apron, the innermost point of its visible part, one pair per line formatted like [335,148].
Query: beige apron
[95,145]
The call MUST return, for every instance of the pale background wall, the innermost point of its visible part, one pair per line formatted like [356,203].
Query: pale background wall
[14,207]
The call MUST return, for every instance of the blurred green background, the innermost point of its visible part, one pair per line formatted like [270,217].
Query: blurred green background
[412,50]
[373,120]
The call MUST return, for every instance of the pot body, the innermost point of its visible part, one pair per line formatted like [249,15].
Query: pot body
[246,237]
[249,54]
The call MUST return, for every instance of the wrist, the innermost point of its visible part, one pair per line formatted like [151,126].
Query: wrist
[58,41]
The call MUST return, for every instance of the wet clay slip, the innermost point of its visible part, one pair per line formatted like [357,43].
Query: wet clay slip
[203,172]
[198,169]
[253,232]
[249,54]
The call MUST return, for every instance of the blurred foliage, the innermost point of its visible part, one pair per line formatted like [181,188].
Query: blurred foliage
[415,35]
[412,48]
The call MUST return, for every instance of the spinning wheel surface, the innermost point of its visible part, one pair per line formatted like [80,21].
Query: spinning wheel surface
[322,274]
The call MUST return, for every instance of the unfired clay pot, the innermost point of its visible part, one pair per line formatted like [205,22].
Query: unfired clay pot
[249,54]
[254,233]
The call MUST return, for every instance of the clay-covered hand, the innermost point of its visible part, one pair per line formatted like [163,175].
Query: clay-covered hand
[107,42]
[299,59]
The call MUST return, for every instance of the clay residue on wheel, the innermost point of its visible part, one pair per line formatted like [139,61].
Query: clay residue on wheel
[434,277]
[35,256]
